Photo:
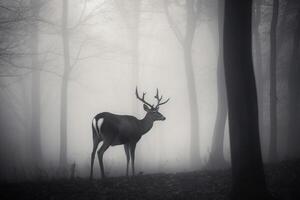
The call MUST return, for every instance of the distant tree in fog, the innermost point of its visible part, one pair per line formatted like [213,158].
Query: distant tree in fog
[19,41]
[216,157]
[247,169]
[260,72]
[64,85]
[273,83]
[131,13]
[35,84]
[69,62]
[293,148]
[192,8]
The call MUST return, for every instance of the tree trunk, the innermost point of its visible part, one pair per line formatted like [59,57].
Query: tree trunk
[135,48]
[36,151]
[131,18]
[186,40]
[273,85]
[64,87]
[260,76]
[247,169]
[63,122]
[194,115]
[217,159]
[189,69]
[283,24]
[293,148]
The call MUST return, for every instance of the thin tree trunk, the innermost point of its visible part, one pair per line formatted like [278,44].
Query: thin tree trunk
[293,148]
[247,169]
[186,40]
[135,47]
[35,90]
[194,116]
[131,18]
[258,58]
[217,159]
[273,85]
[64,86]
[189,69]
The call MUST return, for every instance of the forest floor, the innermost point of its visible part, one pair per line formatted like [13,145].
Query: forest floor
[283,181]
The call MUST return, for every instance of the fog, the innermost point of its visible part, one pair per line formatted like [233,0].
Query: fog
[105,70]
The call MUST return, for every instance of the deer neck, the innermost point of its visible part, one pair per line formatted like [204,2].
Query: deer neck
[146,124]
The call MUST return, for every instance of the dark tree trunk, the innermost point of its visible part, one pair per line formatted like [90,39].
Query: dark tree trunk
[273,85]
[293,148]
[36,150]
[64,86]
[217,159]
[247,169]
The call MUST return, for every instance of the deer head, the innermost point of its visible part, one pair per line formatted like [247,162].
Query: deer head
[152,110]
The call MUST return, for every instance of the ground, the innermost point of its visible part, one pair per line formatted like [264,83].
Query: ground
[283,182]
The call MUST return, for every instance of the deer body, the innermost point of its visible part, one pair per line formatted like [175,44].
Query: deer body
[121,129]
[125,130]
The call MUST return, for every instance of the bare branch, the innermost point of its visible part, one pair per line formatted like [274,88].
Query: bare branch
[172,24]
[78,55]
[12,64]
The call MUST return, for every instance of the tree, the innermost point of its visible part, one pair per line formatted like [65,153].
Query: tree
[273,84]
[69,64]
[216,158]
[294,94]
[186,41]
[132,23]
[64,85]
[260,75]
[247,169]
[35,85]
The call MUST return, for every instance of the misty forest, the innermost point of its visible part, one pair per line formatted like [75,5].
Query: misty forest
[150,99]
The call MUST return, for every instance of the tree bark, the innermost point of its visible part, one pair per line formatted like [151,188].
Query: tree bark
[64,86]
[293,148]
[217,159]
[36,150]
[247,169]
[273,84]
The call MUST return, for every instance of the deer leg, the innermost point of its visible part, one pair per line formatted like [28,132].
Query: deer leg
[126,148]
[132,152]
[100,153]
[95,145]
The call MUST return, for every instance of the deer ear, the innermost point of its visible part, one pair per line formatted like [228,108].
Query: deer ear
[146,108]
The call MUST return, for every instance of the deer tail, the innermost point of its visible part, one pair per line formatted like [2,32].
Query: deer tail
[95,127]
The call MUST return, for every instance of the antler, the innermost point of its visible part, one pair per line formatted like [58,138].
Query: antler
[159,99]
[143,98]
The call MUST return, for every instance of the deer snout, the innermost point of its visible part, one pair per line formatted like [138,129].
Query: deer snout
[163,118]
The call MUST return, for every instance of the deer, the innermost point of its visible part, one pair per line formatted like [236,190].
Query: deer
[113,129]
